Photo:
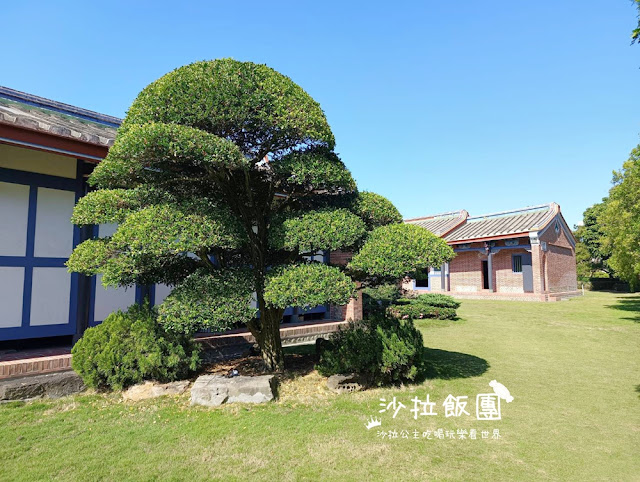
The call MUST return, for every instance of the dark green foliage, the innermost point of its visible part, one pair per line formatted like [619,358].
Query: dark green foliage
[169,230]
[375,300]
[592,252]
[222,177]
[620,222]
[427,305]
[397,250]
[130,347]
[155,152]
[438,299]
[314,169]
[90,256]
[209,300]
[249,104]
[309,284]
[635,35]
[376,210]
[105,206]
[312,231]
[418,310]
[384,351]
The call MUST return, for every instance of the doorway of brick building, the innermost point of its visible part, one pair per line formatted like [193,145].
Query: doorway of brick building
[485,275]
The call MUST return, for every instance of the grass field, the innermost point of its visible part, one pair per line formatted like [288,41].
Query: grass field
[572,366]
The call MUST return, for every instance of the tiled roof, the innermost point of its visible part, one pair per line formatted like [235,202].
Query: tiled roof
[457,226]
[440,224]
[505,223]
[35,113]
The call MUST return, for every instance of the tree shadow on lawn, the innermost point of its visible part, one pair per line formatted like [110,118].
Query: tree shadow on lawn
[630,304]
[448,365]
[301,360]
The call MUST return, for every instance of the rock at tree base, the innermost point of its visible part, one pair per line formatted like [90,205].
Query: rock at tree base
[214,390]
[52,385]
[345,383]
[148,390]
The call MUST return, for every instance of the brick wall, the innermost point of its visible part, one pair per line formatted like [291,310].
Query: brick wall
[353,309]
[435,282]
[465,272]
[340,258]
[537,265]
[506,281]
[560,262]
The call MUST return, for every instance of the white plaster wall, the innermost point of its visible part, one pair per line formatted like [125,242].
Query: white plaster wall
[11,289]
[105,230]
[50,296]
[14,210]
[54,231]
[109,300]
[162,291]
[30,160]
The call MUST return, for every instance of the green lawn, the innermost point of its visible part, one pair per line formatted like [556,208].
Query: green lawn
[573,368]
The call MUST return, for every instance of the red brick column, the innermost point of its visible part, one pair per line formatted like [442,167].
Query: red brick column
[537,265]
[353,309]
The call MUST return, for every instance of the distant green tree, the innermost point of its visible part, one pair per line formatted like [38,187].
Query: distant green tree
[635,35]
[224,183]
[592,252]
[621,221]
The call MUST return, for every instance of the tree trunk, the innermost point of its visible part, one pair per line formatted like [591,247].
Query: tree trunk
[269,340]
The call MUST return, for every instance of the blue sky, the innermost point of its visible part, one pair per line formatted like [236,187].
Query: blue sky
[438,105]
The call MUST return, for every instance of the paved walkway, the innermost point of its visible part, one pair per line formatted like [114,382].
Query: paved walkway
[35,361]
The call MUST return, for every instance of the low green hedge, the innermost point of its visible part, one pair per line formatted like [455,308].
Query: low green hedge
[418,310]
[436,299]
[130,347]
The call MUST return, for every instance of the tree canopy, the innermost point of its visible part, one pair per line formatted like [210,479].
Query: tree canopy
[621,221]
[224,183]
[635,35]
[592,254]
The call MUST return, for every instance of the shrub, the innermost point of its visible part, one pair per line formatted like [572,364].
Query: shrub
[375,300]
[437,299]
[129,347]
[418,310]
[382,352]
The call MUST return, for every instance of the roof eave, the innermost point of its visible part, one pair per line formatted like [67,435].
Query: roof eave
[30,139]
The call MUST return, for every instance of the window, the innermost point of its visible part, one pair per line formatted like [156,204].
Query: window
[435,269]
[517,263]
[422,283]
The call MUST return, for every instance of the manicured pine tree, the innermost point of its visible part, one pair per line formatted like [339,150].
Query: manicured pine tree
[224,182]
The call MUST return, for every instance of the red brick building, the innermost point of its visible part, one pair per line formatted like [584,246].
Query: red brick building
[526,254]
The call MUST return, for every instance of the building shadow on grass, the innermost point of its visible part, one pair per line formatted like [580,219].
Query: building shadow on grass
[631,304]
[448,365]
